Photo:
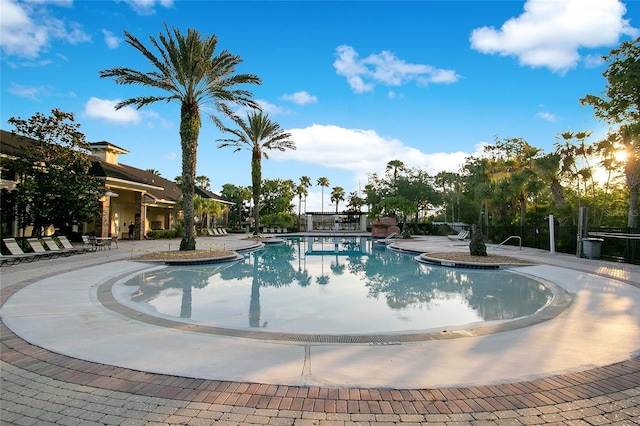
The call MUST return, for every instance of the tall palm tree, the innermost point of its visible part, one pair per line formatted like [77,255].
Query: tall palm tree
[303,189]
[258,134]
[395,166]
[191,74]
[323,182]
[337,195]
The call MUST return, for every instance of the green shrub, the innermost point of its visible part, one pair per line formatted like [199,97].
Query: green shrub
[163,234]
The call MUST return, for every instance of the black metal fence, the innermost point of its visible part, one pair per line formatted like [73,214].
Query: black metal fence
[620,244]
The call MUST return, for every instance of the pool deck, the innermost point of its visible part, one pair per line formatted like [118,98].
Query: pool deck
[67,359]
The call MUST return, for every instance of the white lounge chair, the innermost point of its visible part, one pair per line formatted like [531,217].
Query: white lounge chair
[53,247]
[38,248]
[17,254]
[462,235]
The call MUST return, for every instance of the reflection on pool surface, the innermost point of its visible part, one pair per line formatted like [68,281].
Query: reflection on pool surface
[333,285]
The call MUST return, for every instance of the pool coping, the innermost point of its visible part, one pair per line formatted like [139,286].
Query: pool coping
[561,301]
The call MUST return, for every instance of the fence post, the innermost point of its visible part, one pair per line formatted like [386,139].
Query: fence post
[552,235]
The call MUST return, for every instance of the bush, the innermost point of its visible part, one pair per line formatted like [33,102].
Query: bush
[163,234]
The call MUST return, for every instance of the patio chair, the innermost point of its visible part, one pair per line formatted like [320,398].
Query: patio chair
[98,244]
[462,235]
[222,231]
[89,243]
[210,232]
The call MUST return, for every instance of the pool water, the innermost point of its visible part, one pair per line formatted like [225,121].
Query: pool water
[332,285]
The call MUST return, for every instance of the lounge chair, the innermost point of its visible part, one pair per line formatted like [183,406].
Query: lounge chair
[462,235]
[38,248]
[53,247]
[66,243]
[210,232]
[222,231]
[17,255]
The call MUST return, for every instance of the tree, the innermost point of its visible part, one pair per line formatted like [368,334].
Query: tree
[355,202]
[206,208]
[203,182]
[574,161]
[620,107]
[259,135]
[192,75]
[547,168]
[54,187]
[337,195]
[302,189]
[395,166]
[323,183]
[153,172]
[238,195]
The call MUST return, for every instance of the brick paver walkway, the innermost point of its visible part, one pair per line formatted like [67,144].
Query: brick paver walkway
[39,387]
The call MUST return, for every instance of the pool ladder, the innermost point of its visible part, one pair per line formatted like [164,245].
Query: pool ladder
[513,236]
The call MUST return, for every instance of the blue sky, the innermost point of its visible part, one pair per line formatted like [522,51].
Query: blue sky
[357,84]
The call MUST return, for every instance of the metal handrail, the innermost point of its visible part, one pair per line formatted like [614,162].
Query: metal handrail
[513,236]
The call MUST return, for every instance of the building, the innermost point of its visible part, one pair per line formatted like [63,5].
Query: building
[132,196]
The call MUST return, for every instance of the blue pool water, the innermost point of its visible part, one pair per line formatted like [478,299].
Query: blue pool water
[332,285]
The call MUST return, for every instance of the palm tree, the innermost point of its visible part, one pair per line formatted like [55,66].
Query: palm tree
[300,191]
[191,74]
[395,166]
[258,134]
[203,182]
[303,189]
[337,195]
[153,172]
[323,182]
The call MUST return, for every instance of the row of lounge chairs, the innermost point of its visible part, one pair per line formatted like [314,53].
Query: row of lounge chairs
[273,230]
[42,248]
[217,232]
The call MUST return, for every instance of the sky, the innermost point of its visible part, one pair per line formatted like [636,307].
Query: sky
[356,83]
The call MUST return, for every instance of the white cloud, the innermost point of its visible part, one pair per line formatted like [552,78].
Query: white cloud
[300,98]
[30,92]
[547,116]
[111,39]
[148,7]
[362,151]
[28,29]
[105,109]
[385,68]
[593,61]
[550,33]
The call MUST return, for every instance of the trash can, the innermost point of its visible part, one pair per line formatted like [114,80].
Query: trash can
[591,247]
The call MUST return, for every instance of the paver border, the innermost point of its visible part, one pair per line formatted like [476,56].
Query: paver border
[614,382]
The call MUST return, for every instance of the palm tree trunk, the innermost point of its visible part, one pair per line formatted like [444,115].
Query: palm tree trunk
[256,181]
[189,131]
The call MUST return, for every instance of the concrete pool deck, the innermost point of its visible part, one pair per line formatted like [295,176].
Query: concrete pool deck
[64,355]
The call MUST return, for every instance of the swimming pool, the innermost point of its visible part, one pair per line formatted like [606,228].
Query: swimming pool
[331,285]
